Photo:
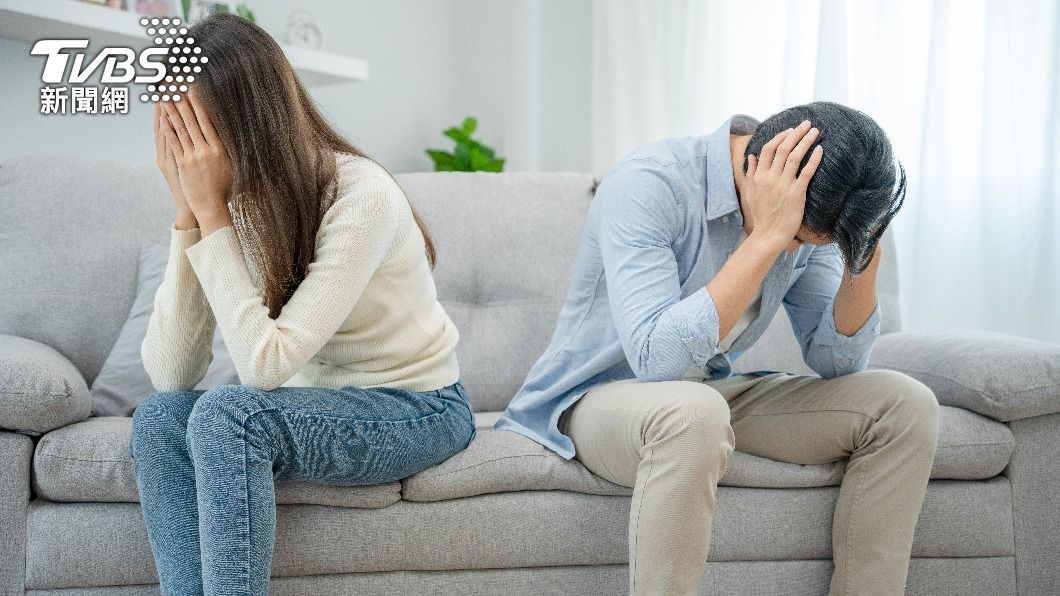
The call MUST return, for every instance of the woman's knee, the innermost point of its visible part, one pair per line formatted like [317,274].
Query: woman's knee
[160,420]
[216,410]
[221,414]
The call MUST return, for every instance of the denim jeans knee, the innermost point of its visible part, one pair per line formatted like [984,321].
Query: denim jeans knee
[160,419]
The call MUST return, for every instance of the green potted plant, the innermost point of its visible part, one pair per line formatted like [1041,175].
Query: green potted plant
[469,155]
[195,10]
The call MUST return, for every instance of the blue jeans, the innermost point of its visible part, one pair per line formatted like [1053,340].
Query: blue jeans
[205,462]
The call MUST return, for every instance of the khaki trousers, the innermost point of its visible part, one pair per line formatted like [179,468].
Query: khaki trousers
[671,441]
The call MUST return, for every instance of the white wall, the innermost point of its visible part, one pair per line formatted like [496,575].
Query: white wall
[521,66]
[24,130]
[527,76]
[412,53]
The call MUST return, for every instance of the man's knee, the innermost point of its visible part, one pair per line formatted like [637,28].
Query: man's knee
[911,404]
[691,418]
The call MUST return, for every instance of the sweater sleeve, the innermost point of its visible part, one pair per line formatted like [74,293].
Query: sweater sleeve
[354,236]
[177,348]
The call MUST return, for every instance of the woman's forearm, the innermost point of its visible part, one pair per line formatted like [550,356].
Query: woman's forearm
[176,351]
[185,219]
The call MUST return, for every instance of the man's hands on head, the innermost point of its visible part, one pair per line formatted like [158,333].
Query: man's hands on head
[775,198]
[775,190]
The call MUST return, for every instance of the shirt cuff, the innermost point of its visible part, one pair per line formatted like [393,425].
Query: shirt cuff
[184,275]
[183,239]
[222,271]
[842,345]
[695,319]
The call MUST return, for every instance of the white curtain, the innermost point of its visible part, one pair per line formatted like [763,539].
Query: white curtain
[967,90]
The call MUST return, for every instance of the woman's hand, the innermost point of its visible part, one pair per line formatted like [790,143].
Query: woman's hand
[203,167]
[775,195]
[167,163]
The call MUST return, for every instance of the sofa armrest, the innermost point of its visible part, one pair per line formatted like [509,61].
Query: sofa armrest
[16,453]
[1033,471]
[40,389]
[1001,376]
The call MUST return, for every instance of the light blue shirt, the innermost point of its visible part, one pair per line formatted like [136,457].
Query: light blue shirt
[661,224]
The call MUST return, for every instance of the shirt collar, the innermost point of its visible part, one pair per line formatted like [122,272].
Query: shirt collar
[721,186]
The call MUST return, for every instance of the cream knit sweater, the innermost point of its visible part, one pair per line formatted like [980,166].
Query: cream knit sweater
[365,315]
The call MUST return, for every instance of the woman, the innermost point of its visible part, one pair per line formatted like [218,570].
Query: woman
[315,267]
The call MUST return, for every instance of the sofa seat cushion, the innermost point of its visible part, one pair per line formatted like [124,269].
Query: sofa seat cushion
[89,462]
[970,447]
[105,544]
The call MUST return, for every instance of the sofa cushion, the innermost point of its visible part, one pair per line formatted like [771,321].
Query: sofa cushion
[998,375]
[504,461]
[101,544]
[69,257]
[486,420]
[39,388]
[89,462]
[502,284]
[970,447]
[123,382]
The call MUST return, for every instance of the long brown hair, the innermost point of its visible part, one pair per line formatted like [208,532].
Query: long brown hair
[281,150]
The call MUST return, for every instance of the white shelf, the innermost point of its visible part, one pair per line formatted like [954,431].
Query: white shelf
[31,20]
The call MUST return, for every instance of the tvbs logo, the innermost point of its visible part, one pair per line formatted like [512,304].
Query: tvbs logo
[119,64]
[167,69]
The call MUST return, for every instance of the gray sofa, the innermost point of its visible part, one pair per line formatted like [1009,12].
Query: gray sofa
[504,516]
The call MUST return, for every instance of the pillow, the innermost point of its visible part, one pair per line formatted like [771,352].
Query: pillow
[123,382]
[39,388]
[1001,376]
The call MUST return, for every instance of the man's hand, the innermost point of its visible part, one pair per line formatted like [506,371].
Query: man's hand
[202,163]
[775,195]
[775,199]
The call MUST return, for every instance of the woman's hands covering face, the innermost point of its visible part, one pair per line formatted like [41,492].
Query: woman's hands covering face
[165,160]
[198,156]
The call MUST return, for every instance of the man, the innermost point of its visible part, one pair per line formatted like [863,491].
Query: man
[690,247]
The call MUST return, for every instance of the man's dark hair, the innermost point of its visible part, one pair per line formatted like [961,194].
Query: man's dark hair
[857,189]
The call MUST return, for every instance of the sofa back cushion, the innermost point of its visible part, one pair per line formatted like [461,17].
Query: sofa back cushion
[69,247]
[506,245]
